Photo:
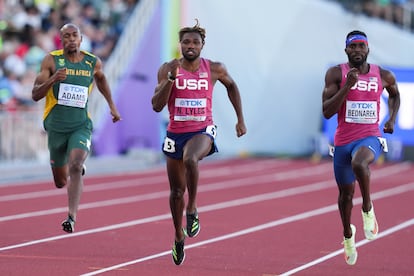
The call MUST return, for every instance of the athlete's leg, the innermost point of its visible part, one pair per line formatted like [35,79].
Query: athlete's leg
[57,144]
[176,177]
[361,160]
[60,176]
[345,204]
[345,180]
[77,158]
[194,150]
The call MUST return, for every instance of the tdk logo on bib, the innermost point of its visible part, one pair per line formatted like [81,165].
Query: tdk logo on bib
[75,89]
[179,102]
[192,103]
[362,105]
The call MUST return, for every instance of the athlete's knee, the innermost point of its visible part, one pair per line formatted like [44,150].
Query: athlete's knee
[75,167]
[60,178]
[177,193]
[346,193]
[346,197]
[190,161]
[360,166]
[60,182]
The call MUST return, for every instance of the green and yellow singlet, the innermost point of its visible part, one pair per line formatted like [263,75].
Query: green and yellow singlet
[66,107]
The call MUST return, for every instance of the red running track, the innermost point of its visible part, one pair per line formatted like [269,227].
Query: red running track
[258,217]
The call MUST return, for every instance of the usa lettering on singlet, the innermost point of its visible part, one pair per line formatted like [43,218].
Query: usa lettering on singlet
[190,103]
[359,115]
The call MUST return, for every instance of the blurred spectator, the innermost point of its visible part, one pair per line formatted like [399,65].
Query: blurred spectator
[399,12]
[402,12]
[380,9]
[6,92]
[29,29]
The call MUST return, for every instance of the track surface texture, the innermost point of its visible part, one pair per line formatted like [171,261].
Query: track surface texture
[259,216]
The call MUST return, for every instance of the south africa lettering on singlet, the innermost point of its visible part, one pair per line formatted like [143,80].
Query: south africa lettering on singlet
[67,101]
[190,103]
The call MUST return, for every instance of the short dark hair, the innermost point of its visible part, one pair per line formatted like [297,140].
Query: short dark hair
[195,29]
[356,32]
[69,25]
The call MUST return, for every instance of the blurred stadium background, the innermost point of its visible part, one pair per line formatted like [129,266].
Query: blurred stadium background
[277,51]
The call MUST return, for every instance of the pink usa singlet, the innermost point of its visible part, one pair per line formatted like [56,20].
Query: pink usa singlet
[358,116]
[190,102]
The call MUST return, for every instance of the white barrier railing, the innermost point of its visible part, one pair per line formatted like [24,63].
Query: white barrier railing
[22,137]
[115,66]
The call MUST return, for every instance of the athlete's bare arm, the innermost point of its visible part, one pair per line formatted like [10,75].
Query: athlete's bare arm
[46,78]
[163,88]
[333,96]
[103,87]
[390,84]
[220,73]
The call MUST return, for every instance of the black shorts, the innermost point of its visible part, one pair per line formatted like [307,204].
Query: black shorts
[174,142]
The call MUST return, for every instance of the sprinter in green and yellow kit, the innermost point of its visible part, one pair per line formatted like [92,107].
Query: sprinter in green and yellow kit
[66,77]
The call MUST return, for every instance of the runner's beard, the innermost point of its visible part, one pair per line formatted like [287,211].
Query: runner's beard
[190,58]
[358,63]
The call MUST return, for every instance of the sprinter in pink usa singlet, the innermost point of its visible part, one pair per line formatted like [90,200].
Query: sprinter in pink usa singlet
[353,92]
[190,103]
[359,115]
[185,85]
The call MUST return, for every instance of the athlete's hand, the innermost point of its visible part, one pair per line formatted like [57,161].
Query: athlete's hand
[172,67]
[60,74]
[115,115]
[352,77]
[240,129]
[388,127]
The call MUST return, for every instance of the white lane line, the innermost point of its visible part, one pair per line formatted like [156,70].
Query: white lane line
[142,180]
[382,234]
[246,231]
[286,220]
[209,167]
[383,194]
[212,207]
[234,183]
[212,172]
[222,185]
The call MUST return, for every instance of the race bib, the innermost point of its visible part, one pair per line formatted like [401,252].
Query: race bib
[72,95]
[212,130]
[190,109]
[169,145]
[331,150]
[361,112]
